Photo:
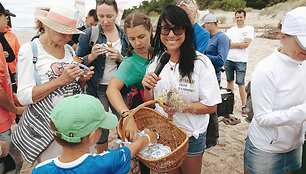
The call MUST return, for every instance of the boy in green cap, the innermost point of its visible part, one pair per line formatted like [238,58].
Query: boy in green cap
[77,123]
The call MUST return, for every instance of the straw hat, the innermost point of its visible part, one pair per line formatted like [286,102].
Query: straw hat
[59,19]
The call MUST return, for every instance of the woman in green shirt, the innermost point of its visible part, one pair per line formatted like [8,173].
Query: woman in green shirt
[132,69]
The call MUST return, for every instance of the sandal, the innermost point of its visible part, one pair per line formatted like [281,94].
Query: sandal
[135,169]
[231,120]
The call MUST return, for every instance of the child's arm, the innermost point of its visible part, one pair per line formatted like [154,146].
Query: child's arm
[142,142]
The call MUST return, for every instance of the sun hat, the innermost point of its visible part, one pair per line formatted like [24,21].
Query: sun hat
[59,19]
[78,116]
[294,24]
[207,18]
[6,12]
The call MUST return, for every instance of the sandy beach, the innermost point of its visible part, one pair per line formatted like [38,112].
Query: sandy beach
[227,155]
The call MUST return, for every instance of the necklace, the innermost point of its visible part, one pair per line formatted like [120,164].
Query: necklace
[172,66]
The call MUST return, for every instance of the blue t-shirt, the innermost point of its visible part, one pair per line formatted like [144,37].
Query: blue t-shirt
[217,50]
[112,161]
[201,37]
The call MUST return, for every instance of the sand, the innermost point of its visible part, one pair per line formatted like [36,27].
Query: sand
[227,155]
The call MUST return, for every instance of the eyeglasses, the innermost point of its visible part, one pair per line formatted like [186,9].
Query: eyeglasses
[177,30]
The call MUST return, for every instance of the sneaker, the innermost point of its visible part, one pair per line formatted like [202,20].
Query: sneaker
[243,111]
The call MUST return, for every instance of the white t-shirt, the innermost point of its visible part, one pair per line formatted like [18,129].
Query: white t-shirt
[202,88]
[48,68]
[110,65]
[237,35]
[279,104]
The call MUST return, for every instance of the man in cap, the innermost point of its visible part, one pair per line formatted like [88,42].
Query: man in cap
[76,124]
[217,50]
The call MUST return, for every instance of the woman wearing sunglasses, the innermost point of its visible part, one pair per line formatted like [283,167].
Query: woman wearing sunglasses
[105,59]
[191,74]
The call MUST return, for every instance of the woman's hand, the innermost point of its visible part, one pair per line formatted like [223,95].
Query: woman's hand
[84,78]
[70,73]
[152,135]
[87,76]
[131,129]
[150,80]
[19,110]
[97,50]
[114,54]
[170,110]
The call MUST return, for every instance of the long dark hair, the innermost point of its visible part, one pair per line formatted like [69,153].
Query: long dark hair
[135,19]
[178,17]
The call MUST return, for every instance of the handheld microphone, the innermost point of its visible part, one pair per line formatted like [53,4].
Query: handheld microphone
[163,61]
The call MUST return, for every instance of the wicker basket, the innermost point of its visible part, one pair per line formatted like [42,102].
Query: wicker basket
[169,135]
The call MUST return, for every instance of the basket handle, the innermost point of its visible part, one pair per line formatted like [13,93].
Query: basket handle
[133,111]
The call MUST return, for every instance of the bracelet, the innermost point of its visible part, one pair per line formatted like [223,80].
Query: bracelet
[148,138]
[122,114]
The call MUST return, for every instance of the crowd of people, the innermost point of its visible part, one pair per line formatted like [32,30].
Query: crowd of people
[63,84]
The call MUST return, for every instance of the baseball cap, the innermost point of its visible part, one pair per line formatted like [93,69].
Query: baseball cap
[294,24]
[207,18]
[78,116]
[6,12]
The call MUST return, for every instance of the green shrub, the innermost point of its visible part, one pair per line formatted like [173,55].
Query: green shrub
[221,20]
[229,5]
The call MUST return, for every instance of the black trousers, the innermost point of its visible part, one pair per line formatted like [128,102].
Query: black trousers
[212,134]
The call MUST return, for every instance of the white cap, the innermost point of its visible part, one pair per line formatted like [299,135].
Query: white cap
[207,18]
[294,24]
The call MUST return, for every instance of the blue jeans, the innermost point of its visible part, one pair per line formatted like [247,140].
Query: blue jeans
[239,68]
[196,147]
[6,136]
[257,161]
[106,104]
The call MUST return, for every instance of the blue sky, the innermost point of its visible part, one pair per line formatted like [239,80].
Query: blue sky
[24,9]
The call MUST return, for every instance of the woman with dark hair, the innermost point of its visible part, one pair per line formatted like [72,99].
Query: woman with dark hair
[188,72]
[105,55]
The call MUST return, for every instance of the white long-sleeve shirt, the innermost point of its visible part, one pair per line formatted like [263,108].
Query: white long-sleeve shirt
[279,103]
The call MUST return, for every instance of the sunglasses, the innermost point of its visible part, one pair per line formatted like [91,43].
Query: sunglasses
[108,2]
[177,30]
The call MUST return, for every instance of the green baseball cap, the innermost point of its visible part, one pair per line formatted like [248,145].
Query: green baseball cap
[78,116]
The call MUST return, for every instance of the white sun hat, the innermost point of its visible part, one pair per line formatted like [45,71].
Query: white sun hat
[59,19]
[294,24]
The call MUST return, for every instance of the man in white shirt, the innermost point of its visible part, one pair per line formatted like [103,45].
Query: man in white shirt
[240,37]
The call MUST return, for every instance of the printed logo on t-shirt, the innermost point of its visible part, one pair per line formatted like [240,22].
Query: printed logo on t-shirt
[186,85]
[57,69]
[244,33]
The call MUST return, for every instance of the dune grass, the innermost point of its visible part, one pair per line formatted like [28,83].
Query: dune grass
[283,7]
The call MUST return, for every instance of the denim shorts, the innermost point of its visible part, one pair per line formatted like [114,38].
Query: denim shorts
[239,68]
[6,136]
[258,161]
[196,147]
